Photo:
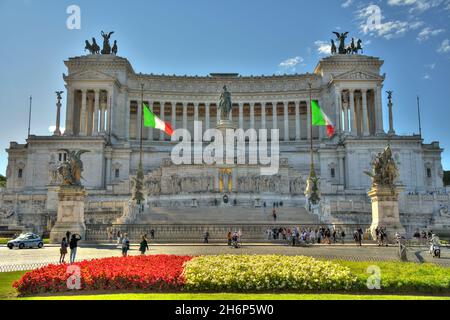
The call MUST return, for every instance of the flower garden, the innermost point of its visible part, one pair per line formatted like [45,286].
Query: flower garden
[233,273]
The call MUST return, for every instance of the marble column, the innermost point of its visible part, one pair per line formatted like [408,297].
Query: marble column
[69,112]
[162,117]
[308,119]
[241,115]
[365,115]
[352,113]
[150,130]
[139,120]
[297,121]
[263,115]
[378,111]
[102,118]
[274,115]
[207,117]
[108,119]
[286,120]
[338,109]
[184,115]
[83,113]
[174,115]
[96,111]
[252,115]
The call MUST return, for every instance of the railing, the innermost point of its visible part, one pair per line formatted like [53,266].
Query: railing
[196,232]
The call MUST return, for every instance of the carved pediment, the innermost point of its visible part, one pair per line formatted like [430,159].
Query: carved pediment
[358,75]
[88,75]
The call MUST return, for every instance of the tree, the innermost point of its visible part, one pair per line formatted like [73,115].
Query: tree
[2,181]
[446,178]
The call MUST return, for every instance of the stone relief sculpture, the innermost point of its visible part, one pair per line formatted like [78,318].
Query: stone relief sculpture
[70,170]
[256,184]
[384,170]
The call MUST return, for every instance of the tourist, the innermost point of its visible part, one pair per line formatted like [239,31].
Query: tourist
[274,215]
[125,245]
[312,236]
[334,235]
[229,236]
[63,250]
[119,237]
[143,246]
[74,246]
[357,238]
[343,236]
[68,236]
[152,234]
[206,237]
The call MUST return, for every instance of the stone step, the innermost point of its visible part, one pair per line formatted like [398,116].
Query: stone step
[219,215]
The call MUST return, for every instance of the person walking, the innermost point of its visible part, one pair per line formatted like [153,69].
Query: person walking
[63,250]
[125,245]
[229,236]
[143,246]
[119,237]
[152,234]
[73,244]
[206,238]
[274,215]
[343,236]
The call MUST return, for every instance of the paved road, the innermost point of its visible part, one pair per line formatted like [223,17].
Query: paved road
[32,258]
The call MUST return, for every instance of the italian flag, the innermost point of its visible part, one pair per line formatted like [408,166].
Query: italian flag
[152,121]
[319,118]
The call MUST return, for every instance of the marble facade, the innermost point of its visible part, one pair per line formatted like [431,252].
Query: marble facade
[103,115]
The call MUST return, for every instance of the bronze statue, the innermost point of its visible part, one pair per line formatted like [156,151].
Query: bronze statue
[225,105]
[114,48]
[384,170]
[341,38]
[106,46]
[359,46]
[70,170]
[389,93]
[59,95]
[333,47]
[93,48]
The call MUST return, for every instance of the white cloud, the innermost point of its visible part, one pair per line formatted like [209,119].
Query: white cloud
[418,6]
[347,3]
[323,47]
[388,29]
[426,77]
[428,32]
[290,64]
[444,47]
[52,129]
[431,66]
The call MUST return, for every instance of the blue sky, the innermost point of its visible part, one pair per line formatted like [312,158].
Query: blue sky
[203,36]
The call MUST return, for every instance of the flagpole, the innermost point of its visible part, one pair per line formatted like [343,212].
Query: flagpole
[311,127]
[418,113]
[141,124]
[29,116]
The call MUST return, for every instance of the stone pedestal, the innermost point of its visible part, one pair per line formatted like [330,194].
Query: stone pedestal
[385,212]
[223,125]
[70,213]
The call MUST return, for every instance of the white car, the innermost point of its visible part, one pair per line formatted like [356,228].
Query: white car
[26,240]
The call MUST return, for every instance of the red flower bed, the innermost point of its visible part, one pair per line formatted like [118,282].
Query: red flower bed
[158,272]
